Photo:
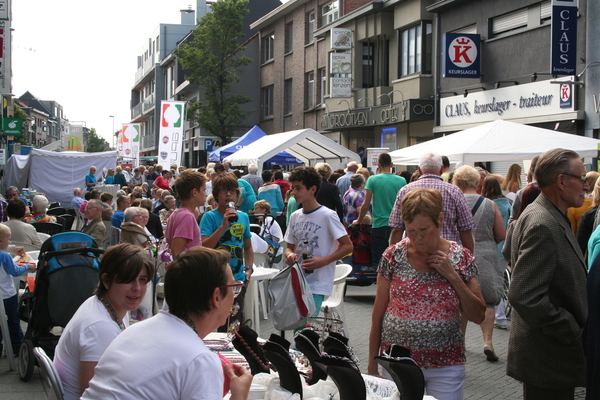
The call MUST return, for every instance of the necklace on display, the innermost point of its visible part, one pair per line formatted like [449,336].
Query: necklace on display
[112,313]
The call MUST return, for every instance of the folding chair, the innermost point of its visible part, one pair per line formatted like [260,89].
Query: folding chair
[50,379]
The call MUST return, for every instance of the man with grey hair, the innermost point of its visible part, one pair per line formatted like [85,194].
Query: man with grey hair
[548,284]
[254,180]
[343,182]
[458,219]
[77,198]
[95,227]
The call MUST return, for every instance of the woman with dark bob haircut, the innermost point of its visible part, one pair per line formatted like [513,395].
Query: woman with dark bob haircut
[125,271]
[168,347]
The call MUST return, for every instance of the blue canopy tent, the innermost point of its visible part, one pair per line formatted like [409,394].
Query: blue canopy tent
[250,137]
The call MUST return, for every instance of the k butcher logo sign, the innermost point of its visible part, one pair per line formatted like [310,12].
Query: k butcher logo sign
[461,58]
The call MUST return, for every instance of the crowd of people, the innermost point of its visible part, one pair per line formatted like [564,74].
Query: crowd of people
[441,241]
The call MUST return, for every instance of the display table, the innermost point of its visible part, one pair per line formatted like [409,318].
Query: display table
[112,189]
[251,302]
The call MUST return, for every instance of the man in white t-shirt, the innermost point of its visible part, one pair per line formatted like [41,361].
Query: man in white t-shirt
[316,230]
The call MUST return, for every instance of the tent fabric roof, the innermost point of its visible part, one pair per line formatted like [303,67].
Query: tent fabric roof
[499,140]
[56,174]
[249,137]
[306,144]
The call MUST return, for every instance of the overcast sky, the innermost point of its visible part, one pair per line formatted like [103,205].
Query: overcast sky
[83,54]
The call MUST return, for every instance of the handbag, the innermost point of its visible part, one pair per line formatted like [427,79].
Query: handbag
[290,298]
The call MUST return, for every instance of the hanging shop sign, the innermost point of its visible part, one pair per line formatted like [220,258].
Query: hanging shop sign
[520,101]
[563,44]
[341,39]
[409,110]
[461,57]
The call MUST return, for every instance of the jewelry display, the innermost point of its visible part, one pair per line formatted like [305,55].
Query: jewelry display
[404,371]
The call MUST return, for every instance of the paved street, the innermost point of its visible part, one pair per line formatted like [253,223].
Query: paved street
[485,380]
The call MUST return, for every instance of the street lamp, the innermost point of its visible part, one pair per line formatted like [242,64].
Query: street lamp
[112,133]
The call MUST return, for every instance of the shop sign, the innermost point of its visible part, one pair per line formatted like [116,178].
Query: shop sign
[373,156]
[410,110]
[12,127]
[461,57]
[563,45]
[341,39]
[341,63]
[341,87]
[520,101]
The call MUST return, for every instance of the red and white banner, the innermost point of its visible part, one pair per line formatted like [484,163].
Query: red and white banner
[170,135]
[129,143]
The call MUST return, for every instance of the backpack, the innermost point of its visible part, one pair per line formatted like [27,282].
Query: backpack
[290,298]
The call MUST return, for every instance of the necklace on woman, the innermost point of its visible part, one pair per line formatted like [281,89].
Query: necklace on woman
[191,324]
[112,313]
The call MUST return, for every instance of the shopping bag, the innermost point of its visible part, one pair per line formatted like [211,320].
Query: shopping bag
[290,298]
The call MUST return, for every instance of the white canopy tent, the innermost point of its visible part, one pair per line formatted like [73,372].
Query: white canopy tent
[497,141]
[56,174]
[307,145]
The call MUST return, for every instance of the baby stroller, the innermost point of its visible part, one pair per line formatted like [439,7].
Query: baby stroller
[67,275]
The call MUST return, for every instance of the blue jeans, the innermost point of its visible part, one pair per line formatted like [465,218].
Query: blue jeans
[380,239]
[14,325]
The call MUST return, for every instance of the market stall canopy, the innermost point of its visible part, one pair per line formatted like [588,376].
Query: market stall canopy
[306,144]
[56,174]
[250,137]
[497,141]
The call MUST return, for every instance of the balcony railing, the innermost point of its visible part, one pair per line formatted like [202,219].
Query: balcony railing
[136,111]
[148,103]
[148,142]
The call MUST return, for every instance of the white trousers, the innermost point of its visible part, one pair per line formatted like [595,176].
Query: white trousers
[445,383]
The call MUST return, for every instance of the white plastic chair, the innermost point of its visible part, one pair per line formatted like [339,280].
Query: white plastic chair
[262,260]
[50,379]
[43,236]
[333,306]
[79,220]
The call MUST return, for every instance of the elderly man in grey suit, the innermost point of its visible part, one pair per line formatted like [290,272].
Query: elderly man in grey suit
[548,287]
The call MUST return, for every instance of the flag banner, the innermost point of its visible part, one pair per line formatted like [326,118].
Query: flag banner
[170,135]
[129,141]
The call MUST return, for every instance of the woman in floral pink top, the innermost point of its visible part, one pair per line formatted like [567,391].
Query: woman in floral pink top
[423,284]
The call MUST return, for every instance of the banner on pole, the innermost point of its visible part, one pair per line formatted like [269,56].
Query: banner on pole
[129,141]
[171,133]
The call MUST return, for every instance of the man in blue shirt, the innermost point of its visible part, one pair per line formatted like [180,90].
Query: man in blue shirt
[119,215]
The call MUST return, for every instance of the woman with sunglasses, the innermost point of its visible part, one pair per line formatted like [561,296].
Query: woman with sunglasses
[165,357]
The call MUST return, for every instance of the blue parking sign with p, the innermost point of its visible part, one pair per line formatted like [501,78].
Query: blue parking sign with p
[208,144]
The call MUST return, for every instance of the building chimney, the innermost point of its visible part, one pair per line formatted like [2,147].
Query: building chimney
[188,16]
